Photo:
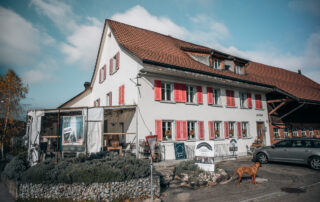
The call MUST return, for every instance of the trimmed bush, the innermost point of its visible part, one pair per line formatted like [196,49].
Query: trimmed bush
[15,168]
[187,167]
[107,169]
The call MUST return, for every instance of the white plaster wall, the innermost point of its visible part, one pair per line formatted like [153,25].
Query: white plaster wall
[81,101]
[128,70]
[151,110]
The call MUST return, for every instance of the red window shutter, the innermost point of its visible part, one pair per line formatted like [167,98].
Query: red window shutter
[199,95]
[110,66]
[118,60]
[98,102]
[201,130]
[178,130]
[211,129]
[184,130]
[110,99]
[249,100]
[176,92]
[183,92]
[226,129]
[258,101]
[121,95]
[209,95]
[157,90]
[94,103]
[239,129]
[232,99]
[228,98]
[104,72]
[158,129]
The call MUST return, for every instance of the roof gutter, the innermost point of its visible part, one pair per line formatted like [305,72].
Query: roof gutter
[206,73]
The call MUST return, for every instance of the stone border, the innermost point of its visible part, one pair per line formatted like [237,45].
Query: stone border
[81,191]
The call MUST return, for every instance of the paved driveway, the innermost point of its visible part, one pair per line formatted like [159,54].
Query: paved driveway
[278,175]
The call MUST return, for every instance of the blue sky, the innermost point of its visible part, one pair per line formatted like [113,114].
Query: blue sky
[53,44]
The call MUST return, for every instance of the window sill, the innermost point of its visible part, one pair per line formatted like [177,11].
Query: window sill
[246,138]
[167,101]
[231,107]
[191,103]
[259,109]
[218,139]
[212,105]
[245,108]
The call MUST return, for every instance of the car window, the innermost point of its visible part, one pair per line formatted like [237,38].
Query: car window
[316,144]
[307,143]
[297,143]
[284,143]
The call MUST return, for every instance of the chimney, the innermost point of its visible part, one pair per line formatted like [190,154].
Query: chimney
[86,85]
[299,71]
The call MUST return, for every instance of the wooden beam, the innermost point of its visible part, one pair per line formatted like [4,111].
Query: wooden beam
[279,100]
[119,133]
[275,109]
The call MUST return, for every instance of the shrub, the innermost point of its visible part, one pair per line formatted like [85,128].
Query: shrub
[3,164]
[15,168]
[187,167]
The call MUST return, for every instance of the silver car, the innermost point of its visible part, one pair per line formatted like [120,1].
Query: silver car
[295,150]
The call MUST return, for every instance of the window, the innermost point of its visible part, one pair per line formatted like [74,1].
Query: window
[238,69]
[311,132]
[303,132]
[230,98]
[102,74]
[191,92]
[167,130]
[258,101]
[114,63]
[231,129]
[166,91]
[216,97]
[191,130]
[243,100]
[276,134]
[217,129]
[226,67]
[109,99]
[295,132]
[216,64]
[97,103]
[286,132]
[244,129]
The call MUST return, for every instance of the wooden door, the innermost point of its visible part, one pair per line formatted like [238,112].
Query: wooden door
[260,132]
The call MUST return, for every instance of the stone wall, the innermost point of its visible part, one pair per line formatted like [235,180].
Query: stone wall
[95,191]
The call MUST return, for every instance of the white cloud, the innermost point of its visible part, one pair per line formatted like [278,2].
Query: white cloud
[60,13]
[19,40]
[35,76]
[82,39]
[140,17]
[43,71]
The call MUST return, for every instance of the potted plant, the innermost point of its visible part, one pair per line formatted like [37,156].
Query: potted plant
[168,134]
[192,133]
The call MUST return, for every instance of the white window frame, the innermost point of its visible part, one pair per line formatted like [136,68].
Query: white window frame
[295,132]
[216,91]
[311,133]
[303,132]
[216,64]
[238,69]
[189,124]
[217,125]
[243,100]
[231,126]
[286,133]
[96,102]
[164,96]
[165,125]
[246,133]
[276,134]
[191,98]
[108,99]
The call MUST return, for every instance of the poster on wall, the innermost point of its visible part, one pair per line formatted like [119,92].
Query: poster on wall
[233,147]
[180,150]
[151,141]
[204,155]
[72,131]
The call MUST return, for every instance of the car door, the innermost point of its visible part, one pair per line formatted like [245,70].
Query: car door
[298,152]
[279,151]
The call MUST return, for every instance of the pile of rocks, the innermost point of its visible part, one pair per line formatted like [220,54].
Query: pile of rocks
[201,180]
[95,191]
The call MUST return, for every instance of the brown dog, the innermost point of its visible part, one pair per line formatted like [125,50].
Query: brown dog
[251,170]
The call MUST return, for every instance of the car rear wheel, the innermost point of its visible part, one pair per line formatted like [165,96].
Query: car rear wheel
[262,158]
[315,163]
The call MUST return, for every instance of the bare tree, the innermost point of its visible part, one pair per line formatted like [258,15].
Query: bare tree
[12,90]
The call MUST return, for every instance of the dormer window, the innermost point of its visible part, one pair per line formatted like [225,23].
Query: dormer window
[216,64]
[238,69]
[226,67]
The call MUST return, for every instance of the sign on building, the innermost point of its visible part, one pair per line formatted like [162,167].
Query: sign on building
[204,155]
[72,131]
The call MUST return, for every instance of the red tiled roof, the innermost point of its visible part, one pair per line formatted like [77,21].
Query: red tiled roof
[166,50]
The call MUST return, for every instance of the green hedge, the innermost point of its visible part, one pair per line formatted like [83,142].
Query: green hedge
[108,169]
[15,168]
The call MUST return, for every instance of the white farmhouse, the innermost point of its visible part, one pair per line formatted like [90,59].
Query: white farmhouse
[183,92]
